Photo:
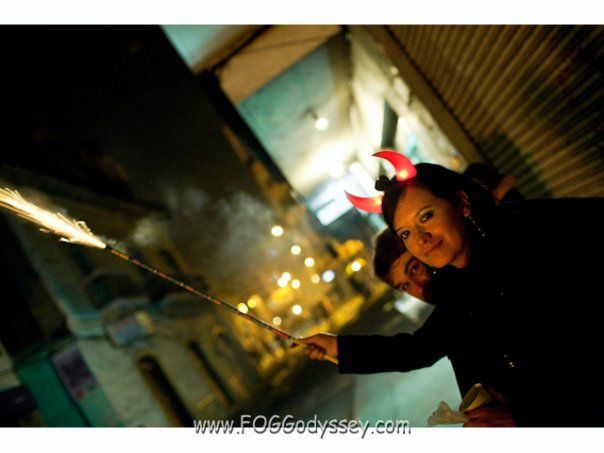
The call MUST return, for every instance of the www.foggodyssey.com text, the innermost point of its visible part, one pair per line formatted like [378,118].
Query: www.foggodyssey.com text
[288,424]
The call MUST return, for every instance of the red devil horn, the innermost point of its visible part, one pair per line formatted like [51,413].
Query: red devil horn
[369,204]
[402,166]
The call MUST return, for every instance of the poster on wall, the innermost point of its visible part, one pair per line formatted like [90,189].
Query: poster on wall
[73,372]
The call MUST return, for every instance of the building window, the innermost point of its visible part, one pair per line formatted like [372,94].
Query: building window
[212,374]
[163,391]
[103,281]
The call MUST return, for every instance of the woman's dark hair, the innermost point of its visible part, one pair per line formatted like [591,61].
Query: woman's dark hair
[388,248]
[483,174]
[442,183]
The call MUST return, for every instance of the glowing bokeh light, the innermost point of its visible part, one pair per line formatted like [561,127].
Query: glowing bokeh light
[328,276]
[242,308]
[296,309]
[277,231]
[315,278]
[295,283]
[321,123]
[277,321]
[295,250]
[309,262]
[337,172]
[356,266]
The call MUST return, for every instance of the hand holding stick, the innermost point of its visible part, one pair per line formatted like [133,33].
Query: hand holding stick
[323,346]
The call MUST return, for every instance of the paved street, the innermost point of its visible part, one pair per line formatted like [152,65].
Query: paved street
[319,389]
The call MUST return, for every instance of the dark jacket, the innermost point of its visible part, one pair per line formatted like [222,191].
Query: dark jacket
[531,307]
[447,332]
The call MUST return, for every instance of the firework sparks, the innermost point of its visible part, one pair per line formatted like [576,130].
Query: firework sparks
[73,231]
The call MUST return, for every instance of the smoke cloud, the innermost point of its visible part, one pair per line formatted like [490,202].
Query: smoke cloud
[226,240]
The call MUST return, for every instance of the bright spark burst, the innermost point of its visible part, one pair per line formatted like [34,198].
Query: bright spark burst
[70,230]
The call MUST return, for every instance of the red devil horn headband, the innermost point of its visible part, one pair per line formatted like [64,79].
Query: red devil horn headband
[402,166]
[369,204]
[404,170]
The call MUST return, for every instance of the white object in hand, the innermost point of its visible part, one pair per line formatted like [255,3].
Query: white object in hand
[476,397]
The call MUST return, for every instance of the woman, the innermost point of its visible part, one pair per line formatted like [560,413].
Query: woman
[447,332]
[523,271]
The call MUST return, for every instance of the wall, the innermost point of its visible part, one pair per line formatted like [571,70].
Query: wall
[528,97]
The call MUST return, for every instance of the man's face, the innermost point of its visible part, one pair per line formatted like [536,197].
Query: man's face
[409,274]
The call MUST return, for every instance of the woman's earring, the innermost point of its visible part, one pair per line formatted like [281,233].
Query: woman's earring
[480,230]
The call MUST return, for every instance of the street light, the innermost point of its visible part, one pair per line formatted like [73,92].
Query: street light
[321,123]
[277,230]
[328,276]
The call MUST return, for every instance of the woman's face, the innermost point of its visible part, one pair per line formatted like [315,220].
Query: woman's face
[432,228]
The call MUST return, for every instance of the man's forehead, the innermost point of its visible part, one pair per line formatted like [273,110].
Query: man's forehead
[402,260]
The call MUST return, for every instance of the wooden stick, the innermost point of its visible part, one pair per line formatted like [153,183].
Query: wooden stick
[210,298]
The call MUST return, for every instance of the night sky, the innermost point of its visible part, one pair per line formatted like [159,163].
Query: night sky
[115,110]
[77,100]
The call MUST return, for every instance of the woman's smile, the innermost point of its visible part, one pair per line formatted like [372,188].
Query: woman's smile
[432,248]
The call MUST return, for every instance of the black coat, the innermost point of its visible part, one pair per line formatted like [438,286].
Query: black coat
[445,333]
[525,316]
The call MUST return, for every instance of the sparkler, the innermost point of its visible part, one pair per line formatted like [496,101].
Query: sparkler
[74,231]
[77,232]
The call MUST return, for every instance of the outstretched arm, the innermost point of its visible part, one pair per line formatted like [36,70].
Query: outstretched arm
[365,354]
[377,354]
